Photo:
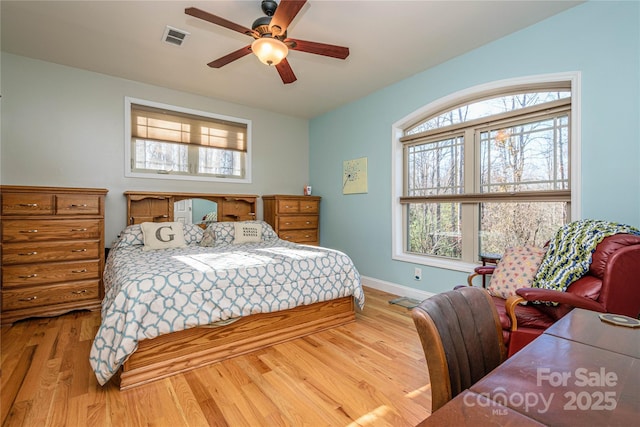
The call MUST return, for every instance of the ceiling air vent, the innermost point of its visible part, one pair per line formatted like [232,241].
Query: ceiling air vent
[174,36]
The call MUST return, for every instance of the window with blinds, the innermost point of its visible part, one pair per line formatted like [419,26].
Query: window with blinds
[170,142]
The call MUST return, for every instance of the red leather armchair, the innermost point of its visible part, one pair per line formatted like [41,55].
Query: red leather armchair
[612,285]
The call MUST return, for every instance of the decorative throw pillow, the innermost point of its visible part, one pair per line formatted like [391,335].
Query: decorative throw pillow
[208,237]
[516,270]
[225,232]
[246,232]
[162,235]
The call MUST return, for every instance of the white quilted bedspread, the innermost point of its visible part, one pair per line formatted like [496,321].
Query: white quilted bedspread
[158,292]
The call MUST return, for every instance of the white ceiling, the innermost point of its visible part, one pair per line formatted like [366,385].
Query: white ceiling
[388,41]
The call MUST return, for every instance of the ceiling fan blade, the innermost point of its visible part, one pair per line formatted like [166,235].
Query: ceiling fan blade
[206,16]
[285,12]
[285,71]
[230,57]
[318,48]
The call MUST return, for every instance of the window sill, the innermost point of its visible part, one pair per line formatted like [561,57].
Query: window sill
[129,174]
[436,262]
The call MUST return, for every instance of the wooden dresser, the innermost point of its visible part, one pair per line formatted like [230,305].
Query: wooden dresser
[144,206]
[52,242]
[294,218]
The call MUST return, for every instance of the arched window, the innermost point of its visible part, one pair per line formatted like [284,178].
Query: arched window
[486,172]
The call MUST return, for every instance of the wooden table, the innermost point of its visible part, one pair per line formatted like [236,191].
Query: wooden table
[581,371]
[473,409]
[586,327]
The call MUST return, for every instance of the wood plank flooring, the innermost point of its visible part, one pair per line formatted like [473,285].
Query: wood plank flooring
[371,372]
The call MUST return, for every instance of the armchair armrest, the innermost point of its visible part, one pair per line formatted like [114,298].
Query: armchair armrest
[481,270]
[548,295]
[510,308]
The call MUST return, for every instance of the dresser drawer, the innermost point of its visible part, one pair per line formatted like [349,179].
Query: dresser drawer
[23,253]
[71,204]
[34,274]
[309,206]
[39,230]
[28,297]
[288,206]
[295,222]
[27,204]
[300,236]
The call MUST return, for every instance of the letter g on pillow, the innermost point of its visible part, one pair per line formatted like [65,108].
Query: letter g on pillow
[169,236]
[162,235]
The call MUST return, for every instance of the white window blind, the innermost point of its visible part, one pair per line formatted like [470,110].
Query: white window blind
[156,124]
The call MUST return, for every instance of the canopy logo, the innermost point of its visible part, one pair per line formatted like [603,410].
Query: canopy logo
[596,396]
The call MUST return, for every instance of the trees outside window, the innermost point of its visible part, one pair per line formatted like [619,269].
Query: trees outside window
[488,173]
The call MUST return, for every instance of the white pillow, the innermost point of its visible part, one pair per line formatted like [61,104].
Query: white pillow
[162,235]
[247,232]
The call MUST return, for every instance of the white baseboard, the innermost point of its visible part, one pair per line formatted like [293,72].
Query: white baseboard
[395,289]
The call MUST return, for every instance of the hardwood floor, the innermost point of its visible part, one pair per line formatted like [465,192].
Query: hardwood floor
[368,373]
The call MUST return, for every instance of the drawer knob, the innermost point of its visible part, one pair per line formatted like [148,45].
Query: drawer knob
[28,231]
[84,270]
[29,276]
[84,291]
[78,229]
[29,253]
[28,205]
[287,223]
[308,222]
[78,250]
[84,205]
[29,299]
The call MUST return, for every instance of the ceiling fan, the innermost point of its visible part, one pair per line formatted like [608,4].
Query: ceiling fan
[271,44]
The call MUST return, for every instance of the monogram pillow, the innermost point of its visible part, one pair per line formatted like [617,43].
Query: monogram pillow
[162,235]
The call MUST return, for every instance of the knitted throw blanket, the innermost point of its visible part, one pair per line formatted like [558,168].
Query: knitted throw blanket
[569,254]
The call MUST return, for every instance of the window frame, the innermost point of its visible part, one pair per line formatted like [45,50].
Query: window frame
[129,172]
[476,93]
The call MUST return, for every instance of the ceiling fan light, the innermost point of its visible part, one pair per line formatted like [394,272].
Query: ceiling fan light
[269,51]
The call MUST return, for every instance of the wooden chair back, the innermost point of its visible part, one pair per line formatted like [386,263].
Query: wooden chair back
[461,337]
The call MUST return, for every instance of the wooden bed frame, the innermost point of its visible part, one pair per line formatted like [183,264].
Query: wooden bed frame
[182,351]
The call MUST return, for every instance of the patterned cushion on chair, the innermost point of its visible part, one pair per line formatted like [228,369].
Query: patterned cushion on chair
[516,269]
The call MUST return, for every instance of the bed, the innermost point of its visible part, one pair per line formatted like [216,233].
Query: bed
[223,292]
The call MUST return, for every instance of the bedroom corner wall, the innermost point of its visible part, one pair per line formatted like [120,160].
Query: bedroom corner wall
[64,126]
[599,39]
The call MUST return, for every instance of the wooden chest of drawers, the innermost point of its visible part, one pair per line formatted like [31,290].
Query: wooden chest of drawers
[52,250]
[294,218]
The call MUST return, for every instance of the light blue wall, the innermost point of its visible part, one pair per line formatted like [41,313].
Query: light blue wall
[599,39]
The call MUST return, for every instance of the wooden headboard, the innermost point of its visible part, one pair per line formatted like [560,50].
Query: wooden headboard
[158,207]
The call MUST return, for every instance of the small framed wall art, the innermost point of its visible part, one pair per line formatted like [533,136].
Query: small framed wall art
[354,176]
